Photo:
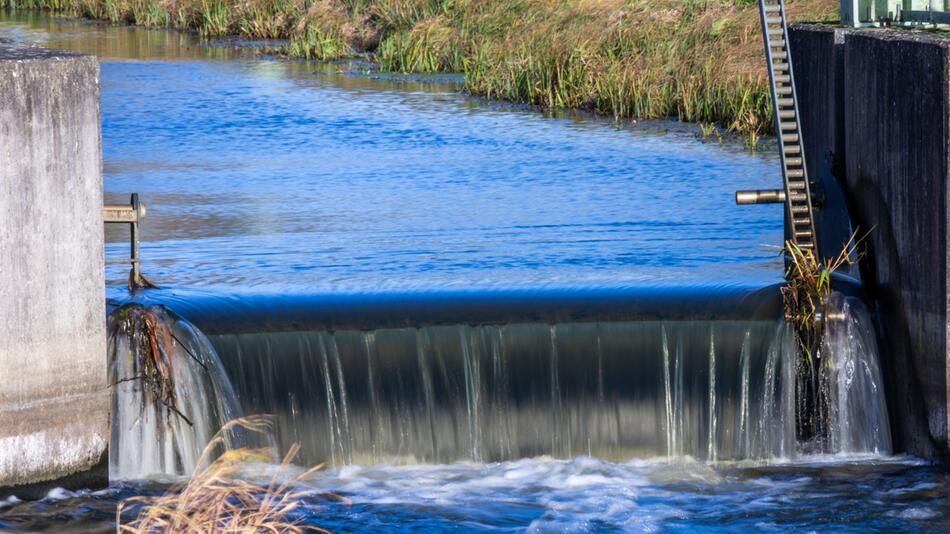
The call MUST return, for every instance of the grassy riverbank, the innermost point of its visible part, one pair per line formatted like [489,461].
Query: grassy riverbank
[699,60]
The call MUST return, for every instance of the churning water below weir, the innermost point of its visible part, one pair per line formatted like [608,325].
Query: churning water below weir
[483,318]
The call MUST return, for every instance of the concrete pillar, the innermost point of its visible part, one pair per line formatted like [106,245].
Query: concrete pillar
[54,396]
[876,125]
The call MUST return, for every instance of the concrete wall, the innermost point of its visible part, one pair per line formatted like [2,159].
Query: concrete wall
[875,108]
[54,399]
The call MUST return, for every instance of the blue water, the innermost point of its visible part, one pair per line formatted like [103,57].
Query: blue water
[286,175]
[580,495]
[273,176]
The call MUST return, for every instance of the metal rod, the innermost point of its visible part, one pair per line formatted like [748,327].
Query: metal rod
[760,196]
[135,237]
[122,213]
[131,214]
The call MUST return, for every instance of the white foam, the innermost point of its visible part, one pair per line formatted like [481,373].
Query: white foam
[60,494]
[915,513]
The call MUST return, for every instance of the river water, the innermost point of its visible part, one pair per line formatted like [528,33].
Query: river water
[280,177]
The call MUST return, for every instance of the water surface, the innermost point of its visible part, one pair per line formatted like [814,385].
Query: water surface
[286,175]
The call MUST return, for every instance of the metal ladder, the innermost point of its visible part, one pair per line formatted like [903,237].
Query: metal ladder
[797,192]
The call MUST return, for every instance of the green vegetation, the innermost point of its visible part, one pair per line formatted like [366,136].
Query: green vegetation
[699,60]
[805,297]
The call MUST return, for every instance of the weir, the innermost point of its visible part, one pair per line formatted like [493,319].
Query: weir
[617,374]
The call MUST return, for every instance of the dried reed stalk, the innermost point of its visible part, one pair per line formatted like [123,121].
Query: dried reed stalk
[808,288]
[153,341]
[216,499]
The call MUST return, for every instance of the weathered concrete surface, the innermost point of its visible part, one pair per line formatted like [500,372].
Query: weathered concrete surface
[54,399]
[818,59]
[875,108]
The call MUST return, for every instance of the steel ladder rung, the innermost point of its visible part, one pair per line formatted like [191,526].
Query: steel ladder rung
[794,172]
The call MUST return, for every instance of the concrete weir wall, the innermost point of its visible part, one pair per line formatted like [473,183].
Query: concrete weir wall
[875,111]
[54,399]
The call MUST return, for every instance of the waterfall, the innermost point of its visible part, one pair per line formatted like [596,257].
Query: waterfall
[713,390]
[711,386]
[170,394]
[852,382]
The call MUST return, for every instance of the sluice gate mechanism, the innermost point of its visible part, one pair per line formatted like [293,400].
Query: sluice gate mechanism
[130,214]
[796,194]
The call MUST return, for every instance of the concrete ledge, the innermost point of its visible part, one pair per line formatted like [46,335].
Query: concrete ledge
[875,108]
[54,397]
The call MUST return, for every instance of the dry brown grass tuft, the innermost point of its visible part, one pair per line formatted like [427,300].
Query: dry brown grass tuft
[216,499]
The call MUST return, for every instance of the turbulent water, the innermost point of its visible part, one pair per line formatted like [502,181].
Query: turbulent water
[853,380]
[635,426]
[859,494]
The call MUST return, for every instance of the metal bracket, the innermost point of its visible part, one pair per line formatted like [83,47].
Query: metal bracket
[131,214]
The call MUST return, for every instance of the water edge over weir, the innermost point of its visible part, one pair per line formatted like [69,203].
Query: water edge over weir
[698,375]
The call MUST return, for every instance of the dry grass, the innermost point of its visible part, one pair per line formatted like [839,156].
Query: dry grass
[216,499]
[809,286]
[699,60]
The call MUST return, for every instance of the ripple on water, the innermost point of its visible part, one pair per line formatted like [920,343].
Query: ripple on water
[288,175]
